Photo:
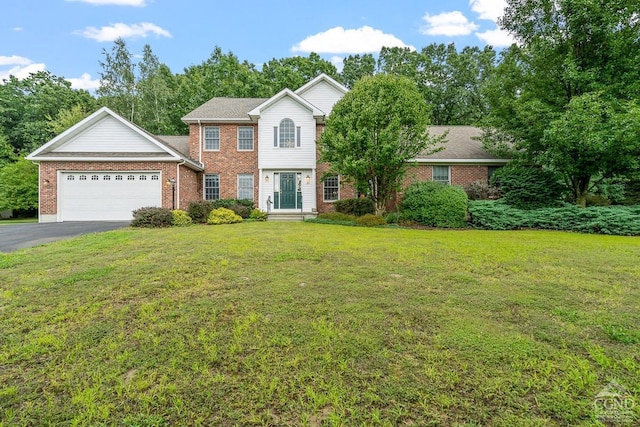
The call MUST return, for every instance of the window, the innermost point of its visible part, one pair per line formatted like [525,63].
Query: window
[441,174]
[245,186]
[331,188]
[212,138]
[142,177]
[212,187]
[70,177]
[94,177]
[490,171]
[106,177]
[245,138]
[131,177]
[118,177]
[287,134]
[83,177]
[154,177]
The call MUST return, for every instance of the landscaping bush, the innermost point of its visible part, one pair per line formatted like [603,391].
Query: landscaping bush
[258,215]
[393,218]
[199,211]
[370,220]
[435,204]
[356,207]
[481,191]
[223,216]
[333,218]
[619,220]
[152,217]
[241,210]
[528,187]
[181,218]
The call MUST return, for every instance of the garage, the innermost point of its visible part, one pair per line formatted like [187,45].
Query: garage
[106,196]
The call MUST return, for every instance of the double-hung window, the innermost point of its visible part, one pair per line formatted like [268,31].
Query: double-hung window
[331,188]
[441,174]
[212,138]
[245,186]
[212,187]
[245,138]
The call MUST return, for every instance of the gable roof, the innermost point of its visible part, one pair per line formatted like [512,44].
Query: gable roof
[156,148]
[462,145]
[224,109]
[321,78]
[257,111]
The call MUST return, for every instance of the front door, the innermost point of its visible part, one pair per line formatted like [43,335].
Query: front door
[288,190]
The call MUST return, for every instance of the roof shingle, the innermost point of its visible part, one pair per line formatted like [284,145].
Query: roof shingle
[225,108]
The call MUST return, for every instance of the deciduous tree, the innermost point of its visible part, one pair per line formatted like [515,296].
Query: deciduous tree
[373,133]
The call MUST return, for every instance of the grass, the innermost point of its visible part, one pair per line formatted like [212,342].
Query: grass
[18,221]
[310,324]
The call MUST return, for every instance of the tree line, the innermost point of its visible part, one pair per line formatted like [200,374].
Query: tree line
[564,99]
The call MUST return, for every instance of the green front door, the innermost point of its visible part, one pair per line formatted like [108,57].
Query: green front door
[288,190]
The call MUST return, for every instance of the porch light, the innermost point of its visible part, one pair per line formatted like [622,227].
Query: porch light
[266,178]
[307,179]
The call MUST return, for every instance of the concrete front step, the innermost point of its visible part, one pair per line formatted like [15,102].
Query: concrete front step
[289,216]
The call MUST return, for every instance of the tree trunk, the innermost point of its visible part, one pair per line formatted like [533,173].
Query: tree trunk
[581,189]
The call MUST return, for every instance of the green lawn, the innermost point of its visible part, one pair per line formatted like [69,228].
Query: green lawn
[310,324]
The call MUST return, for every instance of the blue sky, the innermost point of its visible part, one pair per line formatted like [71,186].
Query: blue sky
[66,37]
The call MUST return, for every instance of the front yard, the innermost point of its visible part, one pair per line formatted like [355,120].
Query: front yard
[309,324]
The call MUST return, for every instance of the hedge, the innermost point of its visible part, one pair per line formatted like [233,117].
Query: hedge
[497,215]
[435,204]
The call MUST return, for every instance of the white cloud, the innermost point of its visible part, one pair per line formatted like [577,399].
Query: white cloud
[17,29]
[135,3]
[447,24]
[349,41]
[21,71]
[120,30]
[496,38]
[85,82]
[488,9]
[14,60]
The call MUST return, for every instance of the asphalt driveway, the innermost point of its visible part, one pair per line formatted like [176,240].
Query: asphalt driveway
[18,236]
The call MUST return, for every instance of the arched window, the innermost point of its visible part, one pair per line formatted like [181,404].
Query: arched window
[287,133]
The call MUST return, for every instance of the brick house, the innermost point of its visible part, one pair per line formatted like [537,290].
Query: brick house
[262,149]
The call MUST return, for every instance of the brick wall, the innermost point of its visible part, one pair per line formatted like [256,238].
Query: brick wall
[49,178]
[190,186]
[458,174]
[228,162]
[347,191]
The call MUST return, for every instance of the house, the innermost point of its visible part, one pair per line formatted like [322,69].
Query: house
[262,149]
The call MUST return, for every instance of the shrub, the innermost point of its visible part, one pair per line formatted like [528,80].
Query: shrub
[181,218]
[223,216]
[393,218]
[370,220]
[199,211]
[435,204]
[245,202]
[241,210]
[480,191]
[152,217]
[356,207]
[222,203]
[258,215]
[620,220]
[528,187]
[337,216]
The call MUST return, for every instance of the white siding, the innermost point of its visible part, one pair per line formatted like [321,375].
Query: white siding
[106,136]
[323,95]
[303,157]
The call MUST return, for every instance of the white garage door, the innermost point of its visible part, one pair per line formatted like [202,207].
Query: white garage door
[95,196]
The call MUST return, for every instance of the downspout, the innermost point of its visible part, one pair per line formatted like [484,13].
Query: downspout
[178,182]
[200,141]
